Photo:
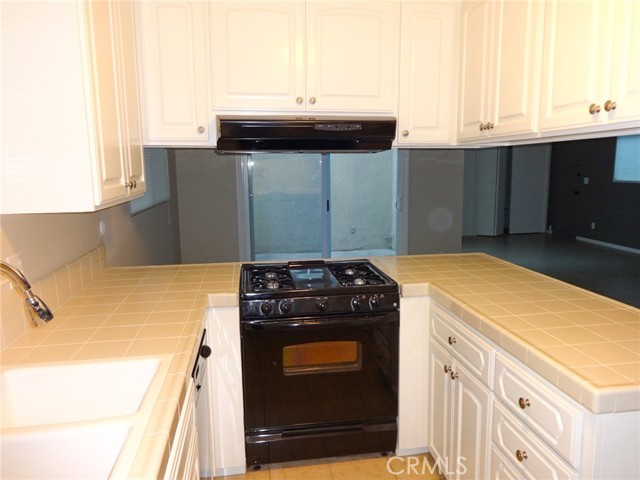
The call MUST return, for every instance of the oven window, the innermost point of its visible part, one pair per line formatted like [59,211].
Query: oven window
[322,357]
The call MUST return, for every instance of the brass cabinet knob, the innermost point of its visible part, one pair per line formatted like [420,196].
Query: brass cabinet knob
[521,455]
[593,109]
[405,133]
[452,340]
[447,369]
[312,100]
[454,375]
[524,403]
[200,129]
[490,126]
[482,127]
[299,100]
[610,105]
[135,184]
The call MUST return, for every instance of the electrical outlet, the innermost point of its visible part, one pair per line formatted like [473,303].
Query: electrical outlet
[585,180]
[593,225]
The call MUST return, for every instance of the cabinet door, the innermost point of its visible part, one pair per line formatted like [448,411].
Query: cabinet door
[516,72]
[109,118]
[257,52]
[475,68]
[427,71]
[352,56]
[572,76]
[173,74]
[440,418]
[471,432]
[624,73]
[130,99]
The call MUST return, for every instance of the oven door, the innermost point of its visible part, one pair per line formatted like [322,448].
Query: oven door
[320,374]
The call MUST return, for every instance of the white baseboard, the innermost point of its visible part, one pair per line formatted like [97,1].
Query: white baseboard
[609,245]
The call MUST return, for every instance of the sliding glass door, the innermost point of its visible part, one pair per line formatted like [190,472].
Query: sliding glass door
[305,206]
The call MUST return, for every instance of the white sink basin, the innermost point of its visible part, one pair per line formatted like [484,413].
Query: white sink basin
[73,392]
[82,451]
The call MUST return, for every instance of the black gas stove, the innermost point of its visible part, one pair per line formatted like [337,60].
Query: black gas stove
[315,287]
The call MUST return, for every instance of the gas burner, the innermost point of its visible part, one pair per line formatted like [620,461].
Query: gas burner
[360,274]
[269,278]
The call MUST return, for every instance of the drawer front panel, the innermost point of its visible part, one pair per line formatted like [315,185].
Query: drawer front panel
[546,412]
[526,453]
[474,353]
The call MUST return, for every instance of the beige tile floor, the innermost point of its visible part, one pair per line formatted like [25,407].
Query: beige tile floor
[361,467]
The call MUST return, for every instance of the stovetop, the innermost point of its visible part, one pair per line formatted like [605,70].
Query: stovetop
[314,287]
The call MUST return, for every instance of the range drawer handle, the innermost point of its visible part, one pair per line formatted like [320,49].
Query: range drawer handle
[521,455]
[452,340]
[524,403]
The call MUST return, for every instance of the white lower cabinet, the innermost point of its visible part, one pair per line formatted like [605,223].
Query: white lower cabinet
[459,415]
[491,416]
[224,421]
[530,457]
[183,456]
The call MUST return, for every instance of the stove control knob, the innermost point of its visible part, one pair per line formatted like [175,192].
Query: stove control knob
[356,303]
[374,302]
[286,306]
[266,308]
[322,304]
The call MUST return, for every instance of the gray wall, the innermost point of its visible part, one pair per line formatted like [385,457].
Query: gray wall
[48,241]
[208,206]
[574,205]
[434,201]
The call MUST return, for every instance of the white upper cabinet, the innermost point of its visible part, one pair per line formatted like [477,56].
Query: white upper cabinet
[500,58]
[258,55]
[172,49]
[352,56]
[73,80]
[296,56]
[590,73]
[428,70]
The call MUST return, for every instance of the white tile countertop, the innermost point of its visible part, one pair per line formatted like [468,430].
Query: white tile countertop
[135,312]
[585,344]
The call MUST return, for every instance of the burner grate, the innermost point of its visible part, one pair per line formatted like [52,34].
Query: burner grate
[353,275]
[270,279]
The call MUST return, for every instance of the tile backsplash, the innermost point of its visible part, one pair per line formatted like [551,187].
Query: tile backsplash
[55,288]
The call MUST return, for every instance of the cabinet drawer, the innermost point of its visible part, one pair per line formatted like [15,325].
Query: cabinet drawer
[525,452]
[467,347]
[557,420]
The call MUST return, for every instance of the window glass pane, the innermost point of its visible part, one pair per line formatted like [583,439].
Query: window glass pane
[363,204]
[286,206]
[627,163]
[157,176]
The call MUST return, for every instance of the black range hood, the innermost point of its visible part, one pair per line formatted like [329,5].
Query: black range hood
[295,134]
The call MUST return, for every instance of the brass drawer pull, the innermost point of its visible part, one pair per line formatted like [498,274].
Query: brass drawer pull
[452,340]
[524,403]
[521,455]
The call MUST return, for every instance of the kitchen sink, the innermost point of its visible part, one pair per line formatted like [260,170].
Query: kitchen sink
[79,451]
[79,391]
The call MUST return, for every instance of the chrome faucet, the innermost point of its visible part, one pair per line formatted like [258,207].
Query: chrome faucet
[36,304]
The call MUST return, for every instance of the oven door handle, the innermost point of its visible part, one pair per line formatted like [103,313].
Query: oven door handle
[359,321]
